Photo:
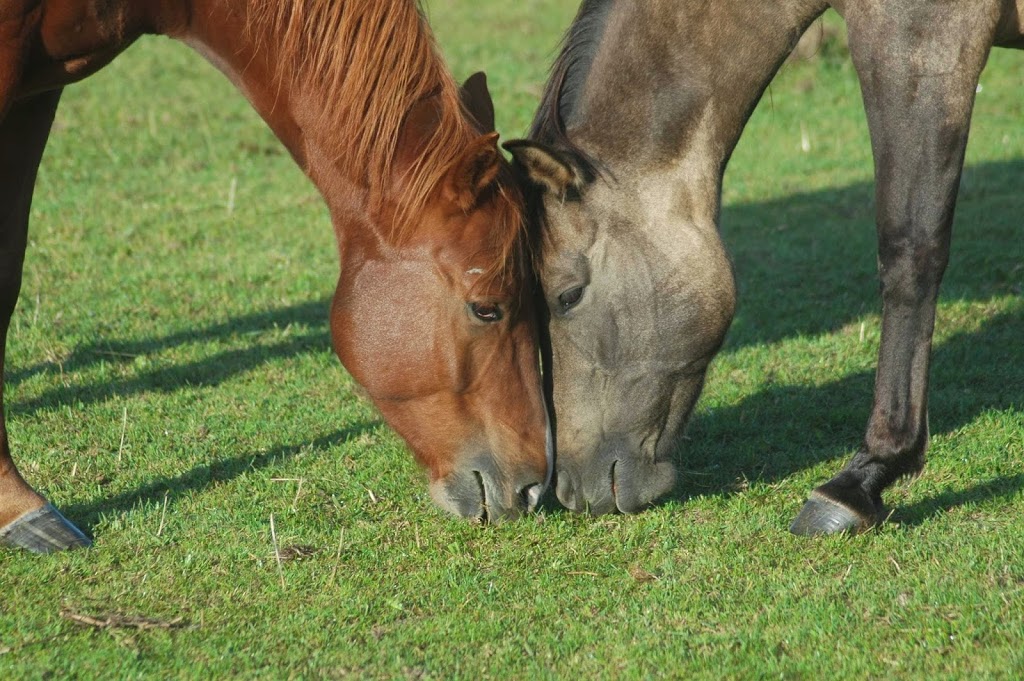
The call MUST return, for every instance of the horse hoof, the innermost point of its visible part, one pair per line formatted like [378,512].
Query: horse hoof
[824,515]
[43,531]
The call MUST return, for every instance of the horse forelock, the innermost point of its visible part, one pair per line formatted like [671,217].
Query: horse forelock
[512,248]
[371,61]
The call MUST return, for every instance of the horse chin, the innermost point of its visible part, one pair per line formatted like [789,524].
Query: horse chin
[626,472]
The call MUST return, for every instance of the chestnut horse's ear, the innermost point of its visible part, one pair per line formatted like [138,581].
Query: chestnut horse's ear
[545,167]
[414,134]
[474,172]
[477,100]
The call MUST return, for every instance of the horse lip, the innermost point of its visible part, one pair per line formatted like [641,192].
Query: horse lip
[615,487]
[483,497]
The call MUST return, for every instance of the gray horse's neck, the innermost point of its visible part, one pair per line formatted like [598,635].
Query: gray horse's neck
[669,84]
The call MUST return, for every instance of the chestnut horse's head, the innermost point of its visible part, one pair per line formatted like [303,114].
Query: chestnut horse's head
[434,317]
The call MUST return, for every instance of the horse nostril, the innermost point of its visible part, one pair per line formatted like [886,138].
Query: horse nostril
[531,495]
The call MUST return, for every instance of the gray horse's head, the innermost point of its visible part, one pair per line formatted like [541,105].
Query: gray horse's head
[640,293]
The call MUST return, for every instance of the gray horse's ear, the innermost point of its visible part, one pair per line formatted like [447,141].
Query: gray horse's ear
[477,100]
[545,167]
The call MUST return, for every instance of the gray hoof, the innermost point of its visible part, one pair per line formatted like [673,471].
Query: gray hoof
[822,515]
[43,531]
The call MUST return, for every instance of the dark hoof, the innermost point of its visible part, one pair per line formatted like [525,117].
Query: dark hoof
[824,515]
[43,531]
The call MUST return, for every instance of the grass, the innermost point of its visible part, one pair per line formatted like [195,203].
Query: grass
[171,387]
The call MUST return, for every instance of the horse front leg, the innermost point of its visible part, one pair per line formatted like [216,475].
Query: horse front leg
[26,520]
[918,64]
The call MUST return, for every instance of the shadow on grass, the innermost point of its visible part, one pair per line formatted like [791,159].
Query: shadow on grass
[782,430]
[918,513]
[806,264]
[200,477]
[210,371]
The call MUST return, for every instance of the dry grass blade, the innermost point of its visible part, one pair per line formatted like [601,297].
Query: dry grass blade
[337,556]
[163,516]
[277,551]
[122,621]
[641,575]
[124,428]
[298,552]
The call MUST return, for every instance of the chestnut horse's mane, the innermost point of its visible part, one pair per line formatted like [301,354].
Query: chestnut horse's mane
[373,60]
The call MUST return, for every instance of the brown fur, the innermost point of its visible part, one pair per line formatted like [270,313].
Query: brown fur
[334,47]
[428,220]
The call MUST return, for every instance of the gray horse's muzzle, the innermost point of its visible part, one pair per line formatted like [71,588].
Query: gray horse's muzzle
[615,479]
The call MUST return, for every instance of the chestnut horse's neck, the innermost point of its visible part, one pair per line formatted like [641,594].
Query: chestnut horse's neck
[314,70]
[335,80]
[665,87]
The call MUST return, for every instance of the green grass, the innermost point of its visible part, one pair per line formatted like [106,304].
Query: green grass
[150,311]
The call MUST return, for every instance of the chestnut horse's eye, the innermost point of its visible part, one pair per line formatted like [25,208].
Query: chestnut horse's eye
[569,299]
[486,312]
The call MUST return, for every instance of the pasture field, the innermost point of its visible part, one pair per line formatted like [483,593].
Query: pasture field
[171,388]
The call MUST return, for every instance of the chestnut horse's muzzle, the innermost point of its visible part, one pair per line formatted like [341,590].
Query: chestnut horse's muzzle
[484,494]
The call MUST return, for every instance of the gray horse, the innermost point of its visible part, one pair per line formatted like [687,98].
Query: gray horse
[644,107]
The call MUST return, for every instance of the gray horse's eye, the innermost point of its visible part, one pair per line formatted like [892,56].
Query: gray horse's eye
[569,299]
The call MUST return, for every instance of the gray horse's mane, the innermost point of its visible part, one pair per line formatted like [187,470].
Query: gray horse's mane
[568,75]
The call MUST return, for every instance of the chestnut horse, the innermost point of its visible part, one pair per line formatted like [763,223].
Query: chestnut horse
[645,105]
[433,312]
